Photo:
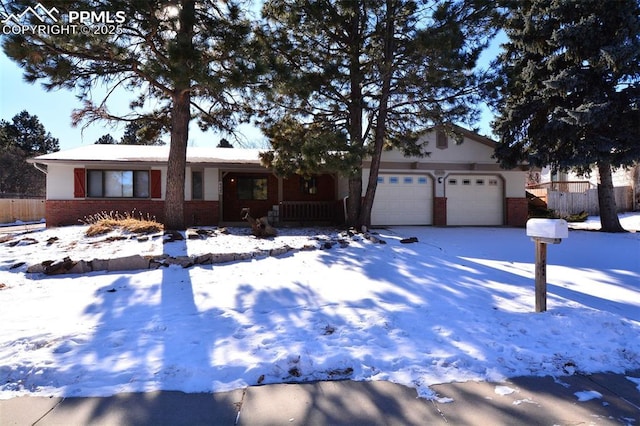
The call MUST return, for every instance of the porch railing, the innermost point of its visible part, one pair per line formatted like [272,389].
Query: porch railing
[307,211]
[564,186]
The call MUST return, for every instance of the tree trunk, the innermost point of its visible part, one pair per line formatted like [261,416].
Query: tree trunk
[354,202]
[607,201]
[181,56]
[381,119]
[174,200]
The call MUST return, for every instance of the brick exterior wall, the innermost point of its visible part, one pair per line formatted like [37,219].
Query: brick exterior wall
[440,211]
[70,212]
[517,211]
[197,213]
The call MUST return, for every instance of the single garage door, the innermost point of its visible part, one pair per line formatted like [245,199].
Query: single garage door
[403,200]
[474,200]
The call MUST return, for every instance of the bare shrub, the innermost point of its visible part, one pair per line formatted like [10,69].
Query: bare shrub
[134,222]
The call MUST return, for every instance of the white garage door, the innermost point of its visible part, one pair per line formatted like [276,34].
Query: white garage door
[403,200]
[474,200]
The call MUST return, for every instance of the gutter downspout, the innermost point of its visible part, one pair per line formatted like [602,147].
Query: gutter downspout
[41,168]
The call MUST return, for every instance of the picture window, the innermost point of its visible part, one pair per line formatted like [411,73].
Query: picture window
[118,183]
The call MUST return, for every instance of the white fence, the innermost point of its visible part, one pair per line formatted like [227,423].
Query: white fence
[566,203]
[26,210]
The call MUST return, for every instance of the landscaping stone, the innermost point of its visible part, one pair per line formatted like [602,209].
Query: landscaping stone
[192,234]
[409,240]
[36,269]
[81,267]
[6,238]
[279,251]
[99,264]
[223,257]
[61,267]
[242,256]
[138,262]
[170,236]
[203,259]
[128,263]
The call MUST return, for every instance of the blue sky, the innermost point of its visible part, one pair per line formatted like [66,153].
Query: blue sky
[54,111]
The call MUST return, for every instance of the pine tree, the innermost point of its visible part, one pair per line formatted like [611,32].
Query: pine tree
[181,59]
[571,92]
[21,138]
[351,77]
[106,140]
[140,133]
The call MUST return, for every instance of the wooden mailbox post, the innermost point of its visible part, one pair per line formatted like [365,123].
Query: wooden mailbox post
[543,232]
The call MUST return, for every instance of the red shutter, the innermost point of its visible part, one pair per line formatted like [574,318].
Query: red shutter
[156,184]
[79,183]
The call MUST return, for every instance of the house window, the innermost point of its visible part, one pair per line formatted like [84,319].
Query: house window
[252,188]
[479,181]
[196,185]
[493,182]
[394,179]
[442,141]
[118,183]
[309,186]
[466,181]
[380,179]
[407,179]
[453,181]
[422,180]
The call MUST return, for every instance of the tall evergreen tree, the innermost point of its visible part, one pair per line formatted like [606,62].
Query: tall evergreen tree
[21,138]
[183,56]
[351,77]
[571,89]
[106,140]
[139,133]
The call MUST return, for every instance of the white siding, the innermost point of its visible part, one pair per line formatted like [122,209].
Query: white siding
[60,182]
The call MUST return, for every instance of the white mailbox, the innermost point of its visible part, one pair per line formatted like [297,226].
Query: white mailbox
[548,230]
[543,232]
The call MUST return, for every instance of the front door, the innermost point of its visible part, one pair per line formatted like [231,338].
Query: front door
[256,191]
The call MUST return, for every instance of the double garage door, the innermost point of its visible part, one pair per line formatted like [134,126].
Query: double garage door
[408,200]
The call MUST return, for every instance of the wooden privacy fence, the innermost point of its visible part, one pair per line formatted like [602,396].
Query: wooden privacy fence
[26,210]
[567,203]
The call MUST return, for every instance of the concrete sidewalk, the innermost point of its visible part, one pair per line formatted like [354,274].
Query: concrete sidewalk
[599,399]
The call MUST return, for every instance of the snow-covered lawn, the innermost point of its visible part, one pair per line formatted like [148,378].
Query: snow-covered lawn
[457,305]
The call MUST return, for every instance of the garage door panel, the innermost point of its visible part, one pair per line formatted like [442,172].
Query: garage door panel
[403,200]
[474,200]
